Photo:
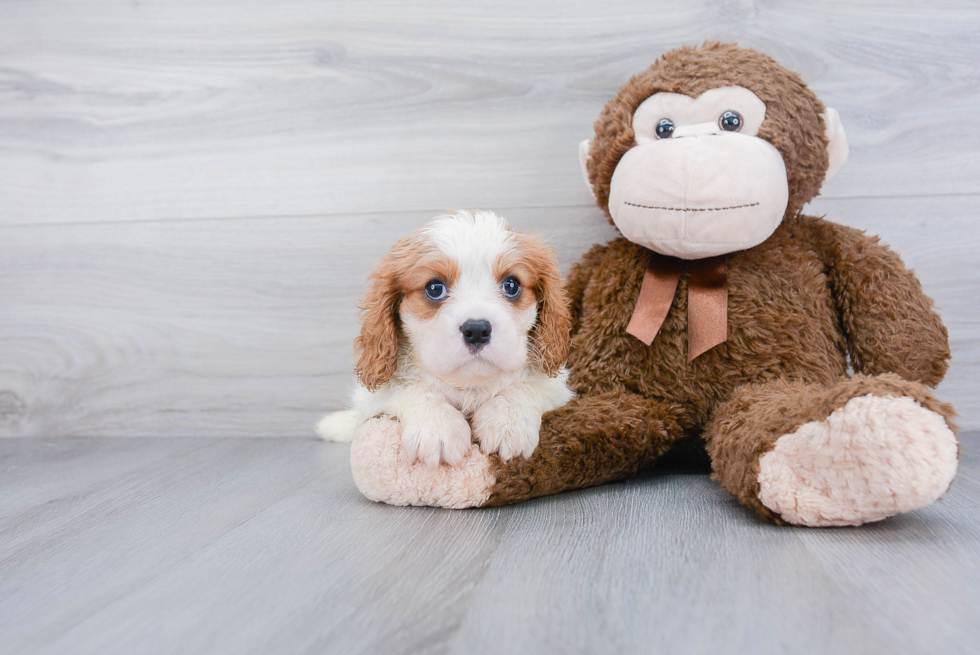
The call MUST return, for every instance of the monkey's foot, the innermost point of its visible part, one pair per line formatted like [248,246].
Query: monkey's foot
[874,457]
[384,473]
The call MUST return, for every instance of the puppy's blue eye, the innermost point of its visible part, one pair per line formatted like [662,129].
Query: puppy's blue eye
[511,287]
[435,290]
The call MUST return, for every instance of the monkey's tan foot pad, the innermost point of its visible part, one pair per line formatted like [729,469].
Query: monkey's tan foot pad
[875,457]
[384,473]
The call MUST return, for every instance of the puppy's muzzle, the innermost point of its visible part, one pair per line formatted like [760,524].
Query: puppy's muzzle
[476,332]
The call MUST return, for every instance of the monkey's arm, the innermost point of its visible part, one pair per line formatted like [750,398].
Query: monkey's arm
[590,441]
[578,278]
[888,321]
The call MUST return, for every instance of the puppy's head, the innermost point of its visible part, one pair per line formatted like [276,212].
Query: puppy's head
[470,297]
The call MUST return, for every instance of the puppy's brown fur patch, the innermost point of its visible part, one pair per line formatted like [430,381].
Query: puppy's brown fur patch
[550,335]
[377,344]
[413,285]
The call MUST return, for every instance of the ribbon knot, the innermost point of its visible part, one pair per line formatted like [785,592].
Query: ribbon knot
[707,301]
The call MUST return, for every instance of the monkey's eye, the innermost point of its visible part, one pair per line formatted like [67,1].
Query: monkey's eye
[435,290]
[511,287]
[730,121]
[665,128]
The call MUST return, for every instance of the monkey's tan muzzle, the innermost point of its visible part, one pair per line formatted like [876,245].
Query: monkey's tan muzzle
[702,193]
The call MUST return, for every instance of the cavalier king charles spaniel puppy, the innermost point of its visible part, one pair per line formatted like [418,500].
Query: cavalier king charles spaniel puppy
[464,333]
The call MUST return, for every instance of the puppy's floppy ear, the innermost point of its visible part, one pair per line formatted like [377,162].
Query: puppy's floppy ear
[550,334]
[377,344]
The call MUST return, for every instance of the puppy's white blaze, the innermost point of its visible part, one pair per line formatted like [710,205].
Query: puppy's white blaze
[473,239]
[439,384]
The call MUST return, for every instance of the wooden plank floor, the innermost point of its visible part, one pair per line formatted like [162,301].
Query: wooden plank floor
[264,546]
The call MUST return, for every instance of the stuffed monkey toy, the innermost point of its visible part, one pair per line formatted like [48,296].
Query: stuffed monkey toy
[723,323]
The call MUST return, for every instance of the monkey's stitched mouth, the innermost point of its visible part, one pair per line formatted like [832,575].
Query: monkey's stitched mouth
[692,209]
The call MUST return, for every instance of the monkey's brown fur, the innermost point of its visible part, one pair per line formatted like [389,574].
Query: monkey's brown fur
[802,305]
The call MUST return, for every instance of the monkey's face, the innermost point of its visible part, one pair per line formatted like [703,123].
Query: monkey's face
[700,181]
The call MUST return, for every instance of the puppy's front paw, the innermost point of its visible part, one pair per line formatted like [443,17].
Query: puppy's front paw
[502,427]
[438,434]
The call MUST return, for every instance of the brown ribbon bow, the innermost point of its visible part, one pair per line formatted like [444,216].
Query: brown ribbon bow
[707,301]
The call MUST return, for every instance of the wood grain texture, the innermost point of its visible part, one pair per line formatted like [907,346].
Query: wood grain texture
[218,108]
[222,328]
[245,327]
[264,545]
[193,193]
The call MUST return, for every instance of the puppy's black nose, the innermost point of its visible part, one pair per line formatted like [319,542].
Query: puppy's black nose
[476,332]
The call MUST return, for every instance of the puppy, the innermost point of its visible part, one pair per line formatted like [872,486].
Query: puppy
[464,331]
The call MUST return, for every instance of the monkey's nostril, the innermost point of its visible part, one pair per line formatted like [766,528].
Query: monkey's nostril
[476,332]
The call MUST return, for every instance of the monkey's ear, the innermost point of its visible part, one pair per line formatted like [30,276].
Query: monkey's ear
[583,160]
[837,147]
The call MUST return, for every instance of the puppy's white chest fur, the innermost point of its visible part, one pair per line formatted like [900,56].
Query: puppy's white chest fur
[468,398]
[441,419]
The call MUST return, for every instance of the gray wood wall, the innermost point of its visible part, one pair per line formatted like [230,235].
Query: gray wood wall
[192,193]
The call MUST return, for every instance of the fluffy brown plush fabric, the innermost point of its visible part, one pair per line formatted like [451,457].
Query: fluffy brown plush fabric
[808,302]
[799,304]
